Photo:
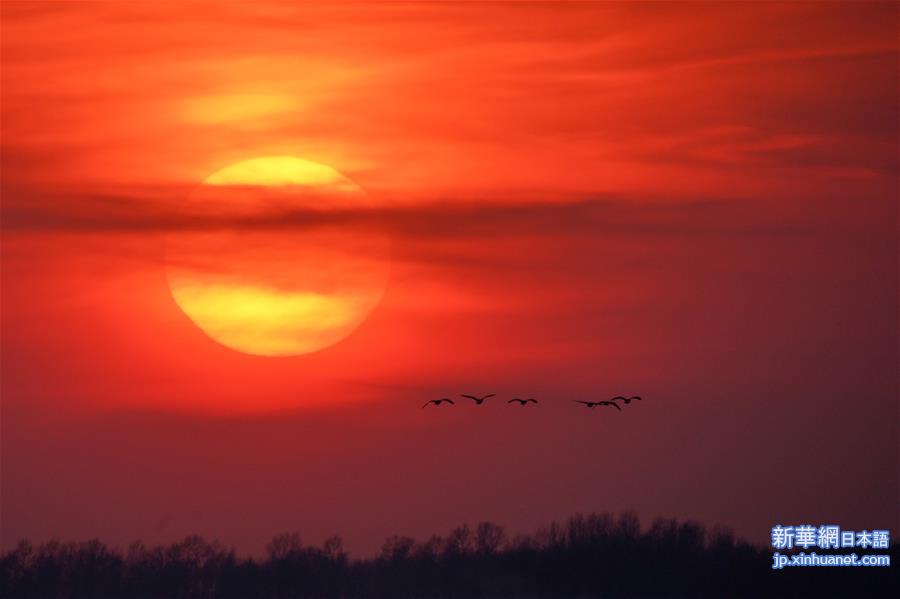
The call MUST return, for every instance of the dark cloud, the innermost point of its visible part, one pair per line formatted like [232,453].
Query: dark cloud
[157,209]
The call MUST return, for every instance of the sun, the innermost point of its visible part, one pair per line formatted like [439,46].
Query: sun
[268,257]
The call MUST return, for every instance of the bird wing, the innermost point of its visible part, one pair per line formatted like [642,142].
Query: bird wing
[450,401]
[618,397]
[512,400]
[531,399]
[470,397]
[486,396]
[428,402]
[615,405]
[637,397]
[587,403]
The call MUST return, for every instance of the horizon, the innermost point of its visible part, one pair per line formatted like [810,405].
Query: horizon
[592,554]
[509,539]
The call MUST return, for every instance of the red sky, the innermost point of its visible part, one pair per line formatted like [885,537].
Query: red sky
[692,202]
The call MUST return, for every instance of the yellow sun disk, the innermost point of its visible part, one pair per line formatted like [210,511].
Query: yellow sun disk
[280,170]
[270,321]
[279,291]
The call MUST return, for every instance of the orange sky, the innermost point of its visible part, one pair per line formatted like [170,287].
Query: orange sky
[695,202]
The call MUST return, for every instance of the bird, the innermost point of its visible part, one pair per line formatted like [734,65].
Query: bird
[593,404]
[478,400]
[438,402]
[627,400]
[523,401]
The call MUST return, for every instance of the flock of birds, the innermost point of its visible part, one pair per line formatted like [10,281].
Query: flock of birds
[523,402]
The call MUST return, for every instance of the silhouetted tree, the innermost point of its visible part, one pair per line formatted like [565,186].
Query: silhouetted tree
[488,538]
[284,546]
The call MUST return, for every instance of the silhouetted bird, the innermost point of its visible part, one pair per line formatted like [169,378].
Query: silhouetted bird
[523,401]
[438,402]
[627,400]
[478,400]
[594,404]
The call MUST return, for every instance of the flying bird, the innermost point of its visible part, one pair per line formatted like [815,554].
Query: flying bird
[438,402]
[627,400]
[593,404]
[478,400]
[523,401]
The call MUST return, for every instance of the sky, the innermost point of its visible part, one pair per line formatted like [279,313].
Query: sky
[695,203]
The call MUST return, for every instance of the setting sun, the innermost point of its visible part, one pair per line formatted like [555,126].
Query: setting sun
[274,293]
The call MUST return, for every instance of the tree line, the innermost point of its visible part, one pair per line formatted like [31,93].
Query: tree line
[586,556]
